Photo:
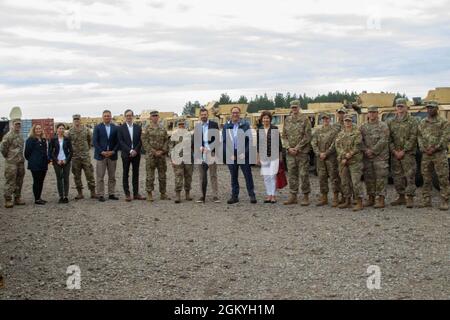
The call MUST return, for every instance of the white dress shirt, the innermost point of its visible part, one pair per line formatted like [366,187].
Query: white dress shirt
[61,154]
[130,130]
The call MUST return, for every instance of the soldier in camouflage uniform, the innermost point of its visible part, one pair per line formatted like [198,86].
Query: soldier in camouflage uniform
[375,138]
[403,145]
[156,144]
[12,149]
[327,166]
[297,139]
[433,137]
[348,146]
[81,138]
[183,167]
[339,125]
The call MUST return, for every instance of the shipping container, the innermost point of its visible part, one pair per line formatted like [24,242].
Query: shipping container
[26,128]
[48,125]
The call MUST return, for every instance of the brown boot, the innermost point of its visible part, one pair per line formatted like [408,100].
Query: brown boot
[410,202]
[346,204]
[444,204]
[79,196]
[335,200]
[9,204]
[370,201]
[188,196]
[177,197]
[426,203]
[292,199]
[380,203]
[149,197]
[323,200]
[93,194]
[19,202]
[164,196]
[305,200]
[359,204]
[401,200]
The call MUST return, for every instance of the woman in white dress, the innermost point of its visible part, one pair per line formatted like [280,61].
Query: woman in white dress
[268,154]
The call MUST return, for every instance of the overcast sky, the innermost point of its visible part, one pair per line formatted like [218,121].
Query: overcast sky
[61,57]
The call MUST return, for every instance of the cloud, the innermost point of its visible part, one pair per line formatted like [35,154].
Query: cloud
[59,57]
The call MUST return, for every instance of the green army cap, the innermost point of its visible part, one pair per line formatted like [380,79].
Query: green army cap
[181,121]
[154,113]
[401,102]
[343,110]
[325,115]
[348,117]
[372,108]
[295,103]
[76,117]
[432,104]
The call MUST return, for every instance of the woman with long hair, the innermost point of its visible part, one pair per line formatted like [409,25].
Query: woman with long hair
[36,154]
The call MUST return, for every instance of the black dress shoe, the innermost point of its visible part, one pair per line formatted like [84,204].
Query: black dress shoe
[267,201]
[66,200]
[253,200]
[112,197]
[233,200]
[101,199]
[40,202]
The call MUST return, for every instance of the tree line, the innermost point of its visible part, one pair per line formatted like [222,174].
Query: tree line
[280,100]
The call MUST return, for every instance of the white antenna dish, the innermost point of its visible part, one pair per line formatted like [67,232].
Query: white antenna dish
[15,113]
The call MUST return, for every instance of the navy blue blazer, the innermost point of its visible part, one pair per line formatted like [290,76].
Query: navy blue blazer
[102,143]
[228,129]
[36,154]
[53,149]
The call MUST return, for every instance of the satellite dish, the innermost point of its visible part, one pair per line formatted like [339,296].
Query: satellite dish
[15,113]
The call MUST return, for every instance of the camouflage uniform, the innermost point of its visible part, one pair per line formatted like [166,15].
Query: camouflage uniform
[12,149]
[297,134]
[375,136]
[403,136]
[81,143]
[183,171]
[323,142]
[154,139]
[434,132]
[350,142]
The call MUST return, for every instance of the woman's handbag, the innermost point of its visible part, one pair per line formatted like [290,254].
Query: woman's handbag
[281,176]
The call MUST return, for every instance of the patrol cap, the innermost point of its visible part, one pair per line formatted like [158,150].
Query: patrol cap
[154,113]
[400,102]
[372,108]
[76,117]
[325,115]
[432,104]
[16,120]
[181,121]
[343,110]
[348,117]
[295,103]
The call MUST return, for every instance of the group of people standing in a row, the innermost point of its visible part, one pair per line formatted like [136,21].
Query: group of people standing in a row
[344,154]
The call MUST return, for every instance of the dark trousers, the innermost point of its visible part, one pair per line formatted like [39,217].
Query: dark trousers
[247,171]
[62,179]
[134,163]
[38,183]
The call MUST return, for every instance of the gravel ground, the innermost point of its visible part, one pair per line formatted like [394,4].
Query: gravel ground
[217,251]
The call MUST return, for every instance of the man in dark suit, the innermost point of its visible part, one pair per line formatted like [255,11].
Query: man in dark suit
[130,145]
[236,130]
[205,129]
[106,145]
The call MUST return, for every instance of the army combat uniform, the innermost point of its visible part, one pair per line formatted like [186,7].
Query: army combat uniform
[434,132]
[403,136]
[12,149]
[323,142]
[351,172]
[155,138]
[297,135]
[182,171]
[375,137]
[81,143]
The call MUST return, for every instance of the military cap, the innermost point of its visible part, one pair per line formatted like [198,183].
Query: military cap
[325,115]
[76,117]
[348,117]
[16,120]
[344,110]
[372,108]
[154,113]
[181,121]
[295,103]
[400,102]
[432,104]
